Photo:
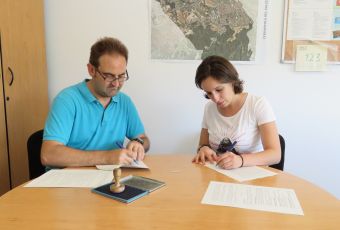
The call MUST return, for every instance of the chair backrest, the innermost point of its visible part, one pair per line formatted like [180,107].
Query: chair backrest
[280,165]
[34,143]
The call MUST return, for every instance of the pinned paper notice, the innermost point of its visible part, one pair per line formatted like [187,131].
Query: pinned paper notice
[311,58]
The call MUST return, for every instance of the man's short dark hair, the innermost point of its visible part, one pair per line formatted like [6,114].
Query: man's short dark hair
[107,45]
[221,70]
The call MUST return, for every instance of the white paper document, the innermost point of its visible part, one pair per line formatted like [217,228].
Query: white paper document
[261,198]
[310,20]
[315,4]
[310,24]
[137,164]
[244,173]
[82,178]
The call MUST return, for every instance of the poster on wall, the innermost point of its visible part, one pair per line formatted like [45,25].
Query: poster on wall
[311,23]
[192,30]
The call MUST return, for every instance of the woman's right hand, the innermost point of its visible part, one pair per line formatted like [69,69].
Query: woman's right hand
[205,154]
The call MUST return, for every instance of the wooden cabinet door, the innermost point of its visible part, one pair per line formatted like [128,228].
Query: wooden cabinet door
[25,80]
[4,164]
[4,169]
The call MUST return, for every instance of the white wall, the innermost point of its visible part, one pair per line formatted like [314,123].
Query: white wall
[306,104]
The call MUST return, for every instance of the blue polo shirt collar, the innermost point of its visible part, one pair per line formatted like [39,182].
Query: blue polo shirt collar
[85,91]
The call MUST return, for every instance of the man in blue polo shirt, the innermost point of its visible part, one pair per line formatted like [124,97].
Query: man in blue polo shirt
[89,121]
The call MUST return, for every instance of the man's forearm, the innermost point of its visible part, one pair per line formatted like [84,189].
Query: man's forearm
[59,155]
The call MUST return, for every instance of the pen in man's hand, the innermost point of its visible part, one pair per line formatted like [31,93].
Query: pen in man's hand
[120,145]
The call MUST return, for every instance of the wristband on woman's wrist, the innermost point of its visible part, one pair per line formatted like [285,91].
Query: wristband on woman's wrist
[242,160]
[201,146]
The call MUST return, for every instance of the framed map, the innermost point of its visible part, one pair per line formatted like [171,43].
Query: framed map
[311,22]
[195,29]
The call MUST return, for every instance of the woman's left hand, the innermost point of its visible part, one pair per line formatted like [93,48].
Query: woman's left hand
[229,160]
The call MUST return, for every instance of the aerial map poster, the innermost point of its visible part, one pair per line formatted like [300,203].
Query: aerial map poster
[195,29]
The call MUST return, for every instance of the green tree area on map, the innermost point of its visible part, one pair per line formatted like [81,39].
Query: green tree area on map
[217,27]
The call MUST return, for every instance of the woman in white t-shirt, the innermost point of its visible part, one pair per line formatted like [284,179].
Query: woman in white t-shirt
[238,128]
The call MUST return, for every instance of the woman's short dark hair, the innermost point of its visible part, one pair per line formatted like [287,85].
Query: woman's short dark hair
[221,70]
[107,45]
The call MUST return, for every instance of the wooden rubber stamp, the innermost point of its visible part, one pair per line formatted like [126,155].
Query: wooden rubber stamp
[117,187]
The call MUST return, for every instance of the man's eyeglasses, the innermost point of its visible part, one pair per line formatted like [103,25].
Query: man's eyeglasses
[108,77]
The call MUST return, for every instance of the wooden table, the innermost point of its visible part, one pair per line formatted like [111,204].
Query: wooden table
[175,206]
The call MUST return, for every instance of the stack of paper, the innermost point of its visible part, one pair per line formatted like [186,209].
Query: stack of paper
[252,197]
[137,164]
[244,173]
[85,178]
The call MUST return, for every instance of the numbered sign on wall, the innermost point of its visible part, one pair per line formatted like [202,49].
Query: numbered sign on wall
[311,58]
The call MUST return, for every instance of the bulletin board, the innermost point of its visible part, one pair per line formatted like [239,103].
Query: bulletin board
[307,35]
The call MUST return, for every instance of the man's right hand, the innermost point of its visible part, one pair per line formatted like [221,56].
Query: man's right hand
[121,156]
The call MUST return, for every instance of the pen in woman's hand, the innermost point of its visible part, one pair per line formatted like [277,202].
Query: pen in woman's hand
[226,148]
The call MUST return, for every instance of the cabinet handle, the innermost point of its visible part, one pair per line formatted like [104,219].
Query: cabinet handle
[12,75]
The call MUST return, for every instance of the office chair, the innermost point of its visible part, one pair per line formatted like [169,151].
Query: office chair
[34,143]
[280,165]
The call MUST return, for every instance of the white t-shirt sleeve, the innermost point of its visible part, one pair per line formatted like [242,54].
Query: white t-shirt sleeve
[206,115]
[263,112]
